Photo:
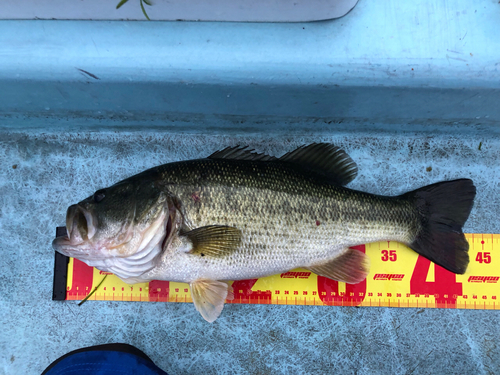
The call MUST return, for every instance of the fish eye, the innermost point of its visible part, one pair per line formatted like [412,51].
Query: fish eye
[99,195]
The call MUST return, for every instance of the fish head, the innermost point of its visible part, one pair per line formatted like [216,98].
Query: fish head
[120,229]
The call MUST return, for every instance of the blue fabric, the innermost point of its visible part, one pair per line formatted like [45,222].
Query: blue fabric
[104,362]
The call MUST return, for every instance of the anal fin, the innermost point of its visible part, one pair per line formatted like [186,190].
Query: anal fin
[209,297]
[351,267]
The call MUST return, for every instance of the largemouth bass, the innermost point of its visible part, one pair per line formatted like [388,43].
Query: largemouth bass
[238,215]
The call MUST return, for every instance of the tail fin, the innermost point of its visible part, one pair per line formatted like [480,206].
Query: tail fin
[443,207]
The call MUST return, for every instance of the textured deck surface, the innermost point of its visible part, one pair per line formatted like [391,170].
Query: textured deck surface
[43,171]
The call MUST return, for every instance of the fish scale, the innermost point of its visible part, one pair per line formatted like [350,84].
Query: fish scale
[238,215]
[266,201]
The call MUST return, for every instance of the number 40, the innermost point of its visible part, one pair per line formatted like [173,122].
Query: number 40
[483,257]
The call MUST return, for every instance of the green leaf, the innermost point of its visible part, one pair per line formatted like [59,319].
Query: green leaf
[97,287]
[144,10]
[121,3]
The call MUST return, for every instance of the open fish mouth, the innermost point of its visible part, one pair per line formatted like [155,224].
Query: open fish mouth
[80,228]
[80,224]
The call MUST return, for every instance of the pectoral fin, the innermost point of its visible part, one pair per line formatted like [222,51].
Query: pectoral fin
[351,267]
[214,240]
[209,297]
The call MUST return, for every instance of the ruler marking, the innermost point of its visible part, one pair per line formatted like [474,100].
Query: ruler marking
[367,295]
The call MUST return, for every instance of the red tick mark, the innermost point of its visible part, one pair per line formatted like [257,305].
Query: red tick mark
[317,222]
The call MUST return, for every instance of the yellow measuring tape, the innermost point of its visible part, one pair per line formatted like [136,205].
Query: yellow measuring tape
[399,277]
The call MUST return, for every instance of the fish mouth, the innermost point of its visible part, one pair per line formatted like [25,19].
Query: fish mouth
[106,254]
[80,228]
[80,224]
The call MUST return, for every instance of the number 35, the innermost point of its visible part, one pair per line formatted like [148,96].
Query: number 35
[389,255]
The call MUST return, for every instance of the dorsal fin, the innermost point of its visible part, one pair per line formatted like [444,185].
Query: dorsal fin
[327,159]
[240,153]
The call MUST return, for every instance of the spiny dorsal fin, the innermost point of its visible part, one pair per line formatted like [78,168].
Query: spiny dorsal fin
[214,240]
[240,153]
[351,267]
[325,158]
[209,297]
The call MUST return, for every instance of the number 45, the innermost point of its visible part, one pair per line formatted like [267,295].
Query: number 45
[483,257]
